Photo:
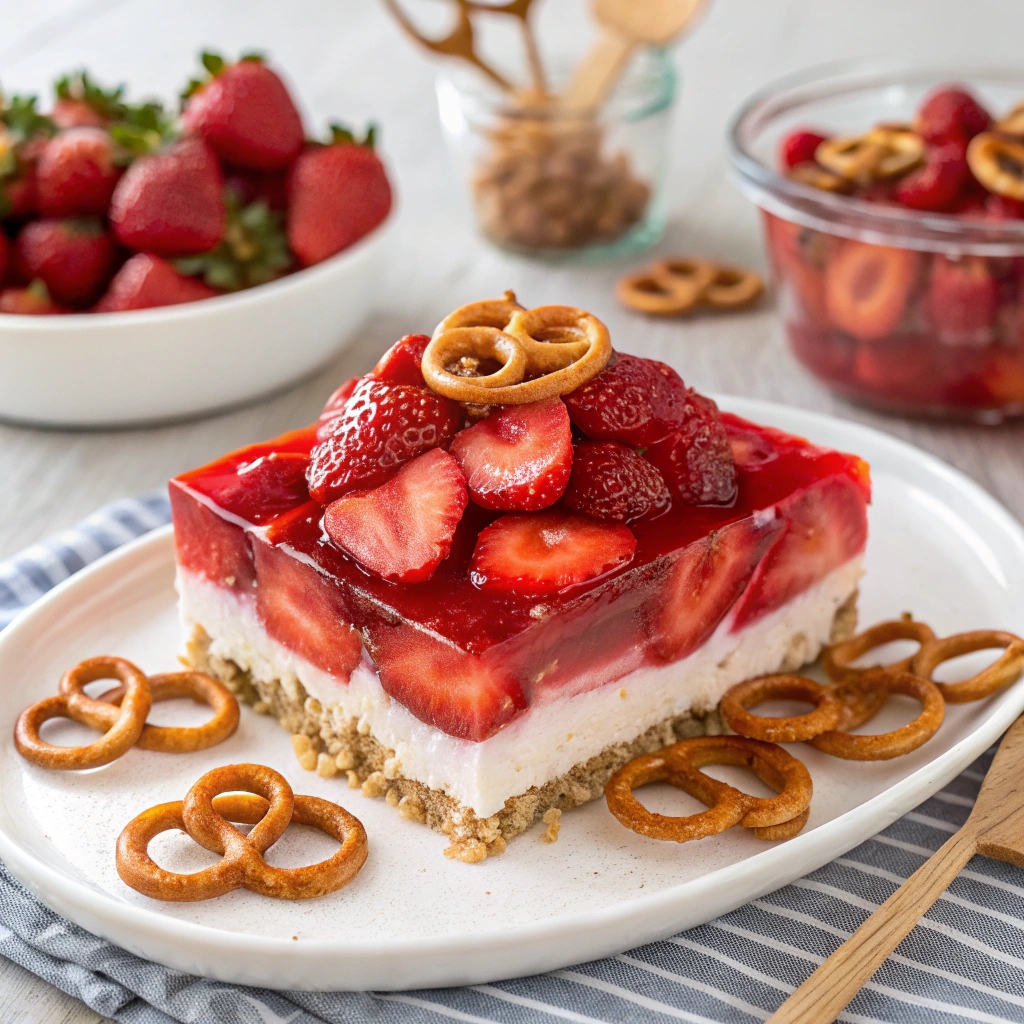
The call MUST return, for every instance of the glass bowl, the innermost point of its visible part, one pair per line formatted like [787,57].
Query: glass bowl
[557,185]
[911,312]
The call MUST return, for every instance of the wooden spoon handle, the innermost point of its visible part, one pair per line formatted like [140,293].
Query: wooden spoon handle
[598,71]
[827,991]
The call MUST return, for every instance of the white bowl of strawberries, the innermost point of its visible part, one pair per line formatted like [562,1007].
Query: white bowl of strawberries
[156,267]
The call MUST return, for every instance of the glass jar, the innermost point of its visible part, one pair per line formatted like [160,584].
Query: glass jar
[553,184]
[911,312]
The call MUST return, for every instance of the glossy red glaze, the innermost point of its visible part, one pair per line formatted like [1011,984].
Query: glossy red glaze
[497,652]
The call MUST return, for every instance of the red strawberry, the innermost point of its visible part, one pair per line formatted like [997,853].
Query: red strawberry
[171,202]
[252,186]
[962,300]
[706,580]
[937,185]
[547,551]
[305,611]
[999,207]
[950,114]
[245,113]
[519,458]
[75,259]
[401,363]
[458,693]
[799,147]
[826,526]
[5,256]
[147,281]
[70,113]
[403,529]
[610,481]
[77,173]
[335,407]
[633,400]
[695,460]
[24,133]
[336,194]
[82,103]
[33,300]
[262,489]
[207,544]
[381,427]
[867,287]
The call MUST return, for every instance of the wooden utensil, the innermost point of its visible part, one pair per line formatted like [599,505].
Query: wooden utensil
[521,9]
[625,25]
[994,829]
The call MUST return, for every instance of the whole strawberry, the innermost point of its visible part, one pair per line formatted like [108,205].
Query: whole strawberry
[171,202]
[75,259]
[245,113]
[610,481]
[336,194]
[77,173]
[80,102]
[5,257]
[23,135]
[146,281]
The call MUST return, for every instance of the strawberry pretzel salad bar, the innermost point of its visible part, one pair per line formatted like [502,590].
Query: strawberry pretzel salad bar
[507,561]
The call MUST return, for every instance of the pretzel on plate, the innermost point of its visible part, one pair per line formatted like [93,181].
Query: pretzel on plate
[777,817]
[120,714]
[1003,671]
[253,794]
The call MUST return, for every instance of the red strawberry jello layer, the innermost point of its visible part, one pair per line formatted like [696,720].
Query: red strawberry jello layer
[478,702]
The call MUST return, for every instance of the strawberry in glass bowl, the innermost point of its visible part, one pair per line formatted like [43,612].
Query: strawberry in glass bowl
[893,207]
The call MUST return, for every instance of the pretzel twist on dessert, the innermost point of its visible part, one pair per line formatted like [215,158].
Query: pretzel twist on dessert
[540,352]
[777,817]
[267,803]
[679,285]
[1003,671]
[120,714]
[837,659]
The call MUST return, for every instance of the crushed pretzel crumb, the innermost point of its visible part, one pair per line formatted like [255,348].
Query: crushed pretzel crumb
[552,818]
[261,707]
[345,759]
[353,779]
[469,851]
[301,743]
[411,808]
[391,797]
[496,847]
[375,785]
[308,761]
[325,766]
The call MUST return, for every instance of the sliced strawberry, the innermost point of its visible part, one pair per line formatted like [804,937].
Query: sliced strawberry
[401,363]
[867,287]
[938,184]
[610,481]
[207,544]
[825,526]
[799,147]
[259,490]
[77,173]
[458,693]
[518,459]
[695,460]
[381,426]
[305,611]
[633,400]
[706,580]
[962,300]
[950,114]
[548,551]
[402,530]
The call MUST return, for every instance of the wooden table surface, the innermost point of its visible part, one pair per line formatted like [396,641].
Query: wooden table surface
[348,61]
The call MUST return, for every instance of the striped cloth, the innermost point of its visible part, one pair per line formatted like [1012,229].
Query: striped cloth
[964,962]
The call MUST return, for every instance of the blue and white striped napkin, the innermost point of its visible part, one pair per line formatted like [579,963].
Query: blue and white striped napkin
[964,962]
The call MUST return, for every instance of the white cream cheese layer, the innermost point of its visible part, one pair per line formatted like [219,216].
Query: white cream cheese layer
[549,739]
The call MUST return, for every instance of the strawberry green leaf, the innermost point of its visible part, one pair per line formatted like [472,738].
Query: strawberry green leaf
[78,85]
[23,121]
[213,62]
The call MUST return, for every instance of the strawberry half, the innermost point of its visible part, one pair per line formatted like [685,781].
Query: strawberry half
[706,580]
[262,489]
[75,259]
[518,459]
[245,113]
[77,173]
[145,282]
[799,147]
[336,194]
[695,460]
[401,363]
[171,202]
[633,400]
[402,530]
[610,481]
[962,300]
[547,551]
[867,287]
[380,427]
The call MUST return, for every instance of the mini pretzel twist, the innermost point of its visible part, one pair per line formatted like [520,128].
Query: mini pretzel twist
[777,817]
[998,163]
[120,714]
[1003,671]
[266,801]
[837,659]
[679,285]
[540,352]
[884,152]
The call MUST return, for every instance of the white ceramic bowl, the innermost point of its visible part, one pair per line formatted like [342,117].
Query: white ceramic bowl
[117,369]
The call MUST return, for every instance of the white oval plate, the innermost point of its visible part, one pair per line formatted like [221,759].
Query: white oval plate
[939,545]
